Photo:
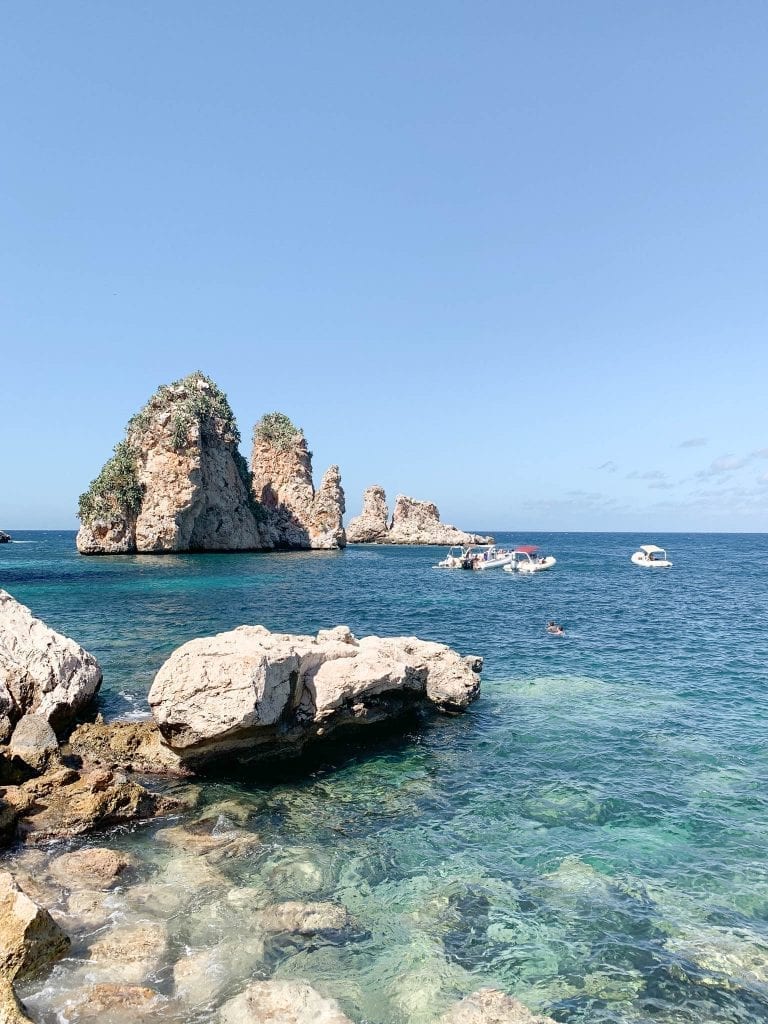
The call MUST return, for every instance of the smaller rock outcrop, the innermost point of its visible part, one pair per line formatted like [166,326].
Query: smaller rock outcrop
[371,526]
[41,671]
[281,1000]
[29,937]
[413,522]
[252,694]
[304,918]
[5,538]
[296,515]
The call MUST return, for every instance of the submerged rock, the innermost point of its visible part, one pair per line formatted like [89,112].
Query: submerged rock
[304,918]
[41,671]
[129,952]
[297,516]
[176,483]
[413,522]
[94,867]
[489,1006]
[29,937]
[281,1001]
[112,1001]
[252,693]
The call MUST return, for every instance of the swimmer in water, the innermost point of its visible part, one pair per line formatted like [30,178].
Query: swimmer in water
[554,628]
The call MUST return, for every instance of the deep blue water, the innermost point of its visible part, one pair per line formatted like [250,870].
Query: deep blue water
[591,836]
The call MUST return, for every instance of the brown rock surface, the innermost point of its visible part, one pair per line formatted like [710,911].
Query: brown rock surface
[66,803]
[297,515]
[93,867]
[11,1010]
[29,937]
[129,746]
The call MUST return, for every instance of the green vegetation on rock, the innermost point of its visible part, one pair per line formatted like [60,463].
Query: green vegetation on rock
[277,429]
[193,399]
[116,491]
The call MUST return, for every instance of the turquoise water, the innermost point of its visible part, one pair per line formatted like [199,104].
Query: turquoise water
[591,836]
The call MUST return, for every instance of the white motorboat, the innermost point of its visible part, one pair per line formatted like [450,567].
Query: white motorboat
[526,560]
[492,558]
[651,556]
[454,558]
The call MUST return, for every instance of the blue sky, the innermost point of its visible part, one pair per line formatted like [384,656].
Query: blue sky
[510,257]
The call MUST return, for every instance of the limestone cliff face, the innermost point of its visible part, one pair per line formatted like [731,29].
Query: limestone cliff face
[297,516]
[176,483]
[371,526]
[413,522]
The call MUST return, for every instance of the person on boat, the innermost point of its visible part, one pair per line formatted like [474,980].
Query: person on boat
[554,628]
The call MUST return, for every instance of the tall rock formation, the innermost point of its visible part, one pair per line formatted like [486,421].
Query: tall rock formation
[413,522]
[371,526]
[176,483]
[297,516]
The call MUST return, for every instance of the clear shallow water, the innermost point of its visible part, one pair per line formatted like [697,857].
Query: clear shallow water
[591,836]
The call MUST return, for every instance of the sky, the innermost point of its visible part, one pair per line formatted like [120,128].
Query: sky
[509,257]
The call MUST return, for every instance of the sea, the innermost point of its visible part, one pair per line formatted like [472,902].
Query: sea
[591,836]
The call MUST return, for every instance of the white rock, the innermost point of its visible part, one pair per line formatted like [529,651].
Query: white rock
[41,671]
[253,691]
[489,1006]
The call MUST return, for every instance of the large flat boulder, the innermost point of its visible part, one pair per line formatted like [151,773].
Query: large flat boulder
[251,693]
[41,671]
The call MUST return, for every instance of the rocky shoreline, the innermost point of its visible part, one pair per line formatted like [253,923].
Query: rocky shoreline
[244,696]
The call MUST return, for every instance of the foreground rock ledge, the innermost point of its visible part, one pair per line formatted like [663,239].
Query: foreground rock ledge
[253,694]
[41,671]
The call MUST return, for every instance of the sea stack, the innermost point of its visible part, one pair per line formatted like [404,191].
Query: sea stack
[296,515]
[413,522]
[177,482]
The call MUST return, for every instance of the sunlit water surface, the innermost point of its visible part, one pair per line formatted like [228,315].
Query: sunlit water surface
[591,836]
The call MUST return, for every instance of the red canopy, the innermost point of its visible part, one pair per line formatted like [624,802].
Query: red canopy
[527,549]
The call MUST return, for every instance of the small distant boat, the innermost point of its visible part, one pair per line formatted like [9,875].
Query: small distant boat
[651,556]
[5,538]
[525,560]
